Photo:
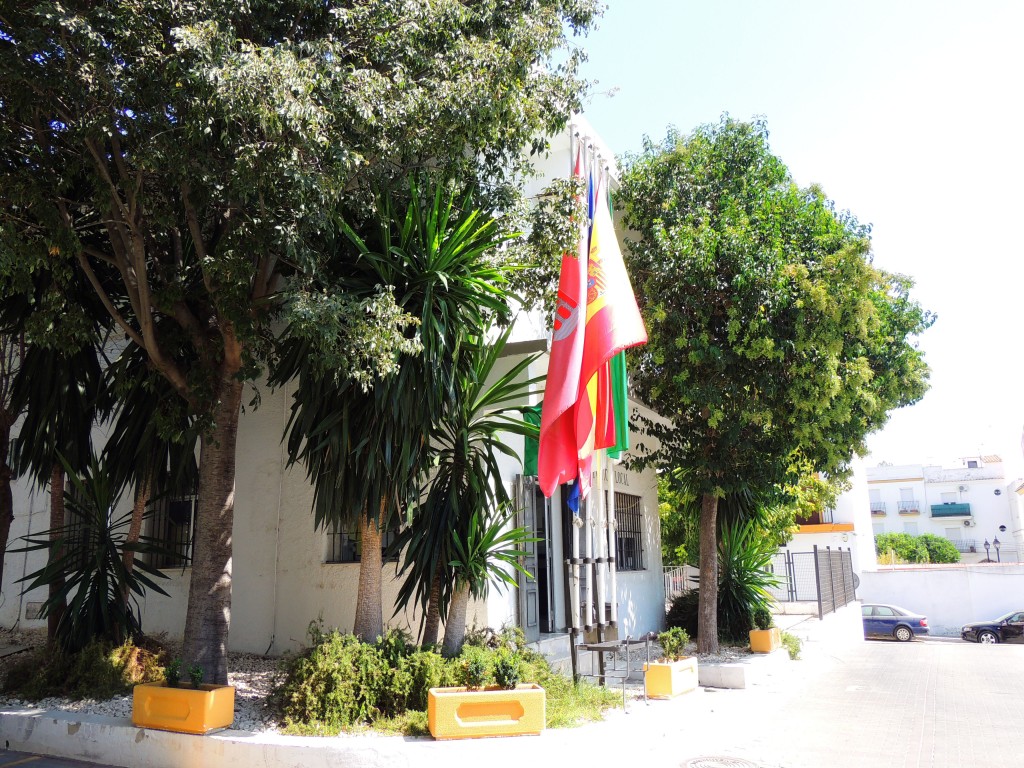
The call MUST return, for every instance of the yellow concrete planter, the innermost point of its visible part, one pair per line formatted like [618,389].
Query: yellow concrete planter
[765,640]
[460,713]
[184,709]
[666,679]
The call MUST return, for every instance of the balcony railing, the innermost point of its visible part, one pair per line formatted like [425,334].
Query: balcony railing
[909,507]
[817,518]
[965,545]
[951,510]
[878,509]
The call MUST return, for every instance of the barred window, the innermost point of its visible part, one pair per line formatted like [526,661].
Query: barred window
[172,522]
[344,545]
[629,518]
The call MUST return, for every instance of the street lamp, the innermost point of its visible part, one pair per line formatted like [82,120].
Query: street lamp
[995,543]
[987,545]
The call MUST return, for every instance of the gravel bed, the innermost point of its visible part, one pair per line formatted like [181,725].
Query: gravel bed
[251,675]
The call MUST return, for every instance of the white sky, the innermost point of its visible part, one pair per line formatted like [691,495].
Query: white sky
[907,113]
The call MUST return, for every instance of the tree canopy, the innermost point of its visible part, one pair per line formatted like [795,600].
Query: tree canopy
[188,162]
[775,343]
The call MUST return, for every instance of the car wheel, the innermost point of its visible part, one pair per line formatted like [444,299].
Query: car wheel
[989,638]
[903,634]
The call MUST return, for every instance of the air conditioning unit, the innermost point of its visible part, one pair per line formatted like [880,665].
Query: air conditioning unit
[969,523]
[962,488]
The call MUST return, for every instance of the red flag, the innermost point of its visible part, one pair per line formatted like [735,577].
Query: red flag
[613,323]
[557,457]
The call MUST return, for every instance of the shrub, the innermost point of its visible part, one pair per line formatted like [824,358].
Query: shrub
[475,665]
[172,673]
[682,612]
[195,675]
[507,668]
[940,549]
[100,670]
[673,642]
[792,644]
[908,548]
[744,577]
[763,618]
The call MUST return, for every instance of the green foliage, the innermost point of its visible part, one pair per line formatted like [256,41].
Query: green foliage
[673,642]
[907,547]
[940,549]
[195,675]
[172,673]
[507,668]
[744,558]
[85,558]
[98,671]
[682,612]
[792,644]
[475,667]
[763,618]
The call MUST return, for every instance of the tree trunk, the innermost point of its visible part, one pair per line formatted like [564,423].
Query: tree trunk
[432,620]
[209,595]
[369,623]
[707,608]
[135,526]
[455,626]
[56,612]
[6,496]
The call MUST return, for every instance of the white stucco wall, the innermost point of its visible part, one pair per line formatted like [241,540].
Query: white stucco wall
[950,596]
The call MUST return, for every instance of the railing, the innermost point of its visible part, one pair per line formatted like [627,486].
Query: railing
[951,510]
[823,576]
[817,518]
[909,507]
[965,545]
[878,509]
[679,579]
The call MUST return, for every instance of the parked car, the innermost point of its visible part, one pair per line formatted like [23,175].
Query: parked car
[1005,629]
[892,621]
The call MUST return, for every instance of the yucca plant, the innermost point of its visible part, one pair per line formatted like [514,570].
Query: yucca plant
[744,578]
[86,562]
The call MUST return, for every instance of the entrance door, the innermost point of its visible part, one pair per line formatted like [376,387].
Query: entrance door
[530,517]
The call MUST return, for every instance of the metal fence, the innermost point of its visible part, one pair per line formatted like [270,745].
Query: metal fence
[822,576]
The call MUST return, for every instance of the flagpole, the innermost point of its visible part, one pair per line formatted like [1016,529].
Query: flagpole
[573,561]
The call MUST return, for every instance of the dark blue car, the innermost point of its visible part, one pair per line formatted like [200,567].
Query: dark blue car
[892,621]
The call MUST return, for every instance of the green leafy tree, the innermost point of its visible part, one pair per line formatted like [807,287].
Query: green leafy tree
[906,547]
[187,161]
[940,549]
[773,341]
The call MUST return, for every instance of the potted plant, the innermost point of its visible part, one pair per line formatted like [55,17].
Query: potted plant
[766,637]
[675,672]
[476,709]
[192,707]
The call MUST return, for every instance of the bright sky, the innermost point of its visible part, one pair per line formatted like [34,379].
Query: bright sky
[907,113]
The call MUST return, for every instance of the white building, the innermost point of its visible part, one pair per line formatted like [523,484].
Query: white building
[969,504]
[287,574]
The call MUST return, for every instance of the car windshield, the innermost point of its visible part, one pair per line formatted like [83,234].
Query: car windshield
[1005,617]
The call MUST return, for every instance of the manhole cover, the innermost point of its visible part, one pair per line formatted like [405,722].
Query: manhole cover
[718,762]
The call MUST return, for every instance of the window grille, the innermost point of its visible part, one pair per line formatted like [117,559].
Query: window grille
[629,518]
[172,522]
[344,545]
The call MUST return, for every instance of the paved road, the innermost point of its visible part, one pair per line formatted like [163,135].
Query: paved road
[11,759]
[928,704]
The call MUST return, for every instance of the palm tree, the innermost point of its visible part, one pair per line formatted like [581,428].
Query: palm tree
[465,482]
[365,443]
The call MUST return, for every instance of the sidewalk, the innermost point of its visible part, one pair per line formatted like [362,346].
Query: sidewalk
[660,733]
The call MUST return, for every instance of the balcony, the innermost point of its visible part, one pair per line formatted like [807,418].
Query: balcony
[909,507]
[951,510]
[878,509]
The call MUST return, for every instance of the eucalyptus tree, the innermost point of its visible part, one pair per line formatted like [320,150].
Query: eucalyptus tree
[464,489]
[187,160]
[364,443]
[775,343]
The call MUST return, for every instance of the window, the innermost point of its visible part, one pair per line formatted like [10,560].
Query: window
[949,497]
[884,610]
[878,529]
[910,528]
[344,546]
[972,464]
[629,518]
[172,524]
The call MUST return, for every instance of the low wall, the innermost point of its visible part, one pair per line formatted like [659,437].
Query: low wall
[949,595]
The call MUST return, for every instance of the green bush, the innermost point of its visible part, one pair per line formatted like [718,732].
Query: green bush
[673,642]
[792,644]
[763,618]
[908,548]
[98,671]
[507,668]
[940,550]
[682,612]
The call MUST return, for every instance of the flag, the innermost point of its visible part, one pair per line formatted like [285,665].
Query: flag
[613,323]
[619,406]
[557,455]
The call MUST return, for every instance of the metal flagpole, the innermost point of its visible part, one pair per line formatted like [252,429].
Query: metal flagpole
[588,530]
[598,526]
[614,599]
[573,562]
